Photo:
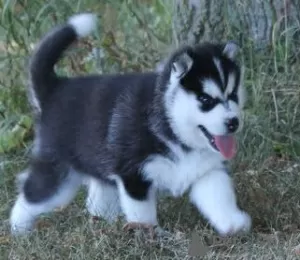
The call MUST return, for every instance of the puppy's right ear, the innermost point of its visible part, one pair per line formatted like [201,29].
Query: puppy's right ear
[182,65]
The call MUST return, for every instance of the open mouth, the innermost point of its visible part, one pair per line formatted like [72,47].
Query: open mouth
[225,144]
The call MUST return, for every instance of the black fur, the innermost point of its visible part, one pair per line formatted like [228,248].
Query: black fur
[47,54]
[71,128]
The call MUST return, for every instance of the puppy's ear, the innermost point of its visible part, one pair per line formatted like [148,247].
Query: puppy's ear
[182,65]
[230,49]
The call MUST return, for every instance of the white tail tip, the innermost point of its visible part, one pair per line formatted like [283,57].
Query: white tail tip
[83,23]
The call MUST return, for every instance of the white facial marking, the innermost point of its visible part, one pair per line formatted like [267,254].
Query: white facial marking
[184,109]
[185,115]
[230,84]
[220,70]
[211,88]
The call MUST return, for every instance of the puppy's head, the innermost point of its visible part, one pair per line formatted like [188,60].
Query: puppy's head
[204,96]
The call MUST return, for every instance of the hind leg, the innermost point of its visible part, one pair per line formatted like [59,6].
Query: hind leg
[103,200]
[47,185]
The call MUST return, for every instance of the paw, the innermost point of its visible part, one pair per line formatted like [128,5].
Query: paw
[21,220]
[233,223]
[20,229]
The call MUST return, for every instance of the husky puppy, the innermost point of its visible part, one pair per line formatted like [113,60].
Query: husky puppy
[131,135]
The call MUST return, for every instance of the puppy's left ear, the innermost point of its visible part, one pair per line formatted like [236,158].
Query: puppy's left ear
[230,49]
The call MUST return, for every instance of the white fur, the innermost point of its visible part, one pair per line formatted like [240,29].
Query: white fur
[214,196]
[220,70]
[211,88]
[103,200]
[179,174]
[211,187]
[83,23]
[143,211]
[181,108]
[230,84]
[24,213]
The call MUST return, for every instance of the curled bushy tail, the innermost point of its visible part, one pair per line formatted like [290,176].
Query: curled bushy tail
[50,50]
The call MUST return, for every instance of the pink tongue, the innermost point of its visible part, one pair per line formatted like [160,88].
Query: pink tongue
[226,145]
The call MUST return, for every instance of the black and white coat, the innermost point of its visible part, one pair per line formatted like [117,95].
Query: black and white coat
[128,135]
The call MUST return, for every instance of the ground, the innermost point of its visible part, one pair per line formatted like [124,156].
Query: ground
[70,233]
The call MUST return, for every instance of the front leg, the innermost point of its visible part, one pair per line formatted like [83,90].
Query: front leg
[138,202]
[214,196]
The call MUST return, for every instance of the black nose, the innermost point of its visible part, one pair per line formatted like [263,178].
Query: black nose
[232,124]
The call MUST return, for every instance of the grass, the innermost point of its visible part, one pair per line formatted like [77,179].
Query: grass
[70,234]
[266,170]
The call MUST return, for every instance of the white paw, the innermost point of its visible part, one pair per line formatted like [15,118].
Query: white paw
[20,225]
[232,223]
[22,217]
[21,230]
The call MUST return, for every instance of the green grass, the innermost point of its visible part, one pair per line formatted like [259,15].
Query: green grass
[266,170]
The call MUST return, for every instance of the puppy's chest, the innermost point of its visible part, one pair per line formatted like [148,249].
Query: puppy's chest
[179,170]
